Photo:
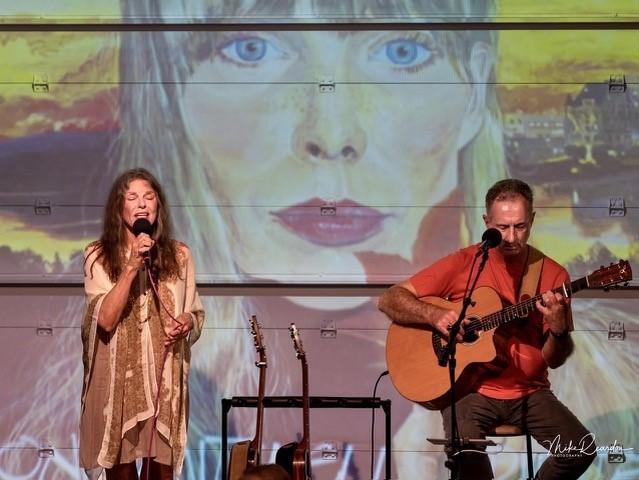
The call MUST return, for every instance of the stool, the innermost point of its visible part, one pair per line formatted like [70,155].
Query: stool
[513,431]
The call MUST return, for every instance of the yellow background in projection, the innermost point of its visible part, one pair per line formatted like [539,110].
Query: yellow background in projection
[565,57]
[530,56]
[88,60]
[21,238]
[507,9]
[38,10]
[568,9]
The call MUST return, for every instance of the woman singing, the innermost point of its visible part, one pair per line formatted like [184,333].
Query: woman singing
[143,314]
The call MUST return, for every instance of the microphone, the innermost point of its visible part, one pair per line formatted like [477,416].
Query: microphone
[142,225]
[490,239]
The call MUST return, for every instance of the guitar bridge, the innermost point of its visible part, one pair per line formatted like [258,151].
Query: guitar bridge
[439,350]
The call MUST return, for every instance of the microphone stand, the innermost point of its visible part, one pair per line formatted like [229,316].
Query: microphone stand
[455,445]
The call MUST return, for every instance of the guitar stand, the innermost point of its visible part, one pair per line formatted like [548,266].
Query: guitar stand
[315,402]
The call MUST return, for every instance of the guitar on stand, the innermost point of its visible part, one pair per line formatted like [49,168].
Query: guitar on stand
[247,453]
[413,353]
[295,457]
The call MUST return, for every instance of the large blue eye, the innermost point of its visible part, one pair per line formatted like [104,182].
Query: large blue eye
[251,50]
[403,52]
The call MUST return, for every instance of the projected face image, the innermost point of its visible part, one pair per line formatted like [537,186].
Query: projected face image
[277,149]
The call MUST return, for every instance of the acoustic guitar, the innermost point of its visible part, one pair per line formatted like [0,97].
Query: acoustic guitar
[413,352]
[247,453]
[295,457]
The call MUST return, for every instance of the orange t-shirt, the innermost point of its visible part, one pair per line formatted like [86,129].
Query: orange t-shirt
[527,370]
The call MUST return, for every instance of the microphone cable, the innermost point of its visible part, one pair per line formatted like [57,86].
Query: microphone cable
[159,381]
[384,373]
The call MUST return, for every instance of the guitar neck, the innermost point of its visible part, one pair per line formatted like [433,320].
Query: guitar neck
[306,407]
[525,308]
[256,443]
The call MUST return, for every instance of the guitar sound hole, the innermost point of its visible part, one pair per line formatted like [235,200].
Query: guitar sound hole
[470,337]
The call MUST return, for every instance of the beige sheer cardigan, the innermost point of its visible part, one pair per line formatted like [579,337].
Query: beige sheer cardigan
[121,370]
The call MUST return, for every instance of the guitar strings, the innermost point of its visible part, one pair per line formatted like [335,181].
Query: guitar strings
[508,313]
[512,312]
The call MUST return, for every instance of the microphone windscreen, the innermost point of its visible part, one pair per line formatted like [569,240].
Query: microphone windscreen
[492,237]
[142,225]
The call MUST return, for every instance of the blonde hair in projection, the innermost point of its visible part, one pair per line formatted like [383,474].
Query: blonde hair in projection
[156,134]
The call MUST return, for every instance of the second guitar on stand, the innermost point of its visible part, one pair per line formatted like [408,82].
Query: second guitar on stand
[295,457]
[247,453]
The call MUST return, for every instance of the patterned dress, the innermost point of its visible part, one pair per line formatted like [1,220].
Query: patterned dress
[124,369]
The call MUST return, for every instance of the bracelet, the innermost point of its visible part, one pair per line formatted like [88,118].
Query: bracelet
[560,336]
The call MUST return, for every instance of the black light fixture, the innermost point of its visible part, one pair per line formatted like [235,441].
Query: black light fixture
[40,83]
[617,83]
[42,206]
[617,207]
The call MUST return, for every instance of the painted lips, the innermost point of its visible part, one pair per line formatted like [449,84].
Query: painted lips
[352,222]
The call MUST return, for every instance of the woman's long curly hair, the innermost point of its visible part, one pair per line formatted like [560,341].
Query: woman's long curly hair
[112,244]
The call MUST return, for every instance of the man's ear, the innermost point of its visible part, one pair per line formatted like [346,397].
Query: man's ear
[485,217]
[480,65]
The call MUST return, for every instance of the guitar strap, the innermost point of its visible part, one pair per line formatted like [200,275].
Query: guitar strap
[532,273]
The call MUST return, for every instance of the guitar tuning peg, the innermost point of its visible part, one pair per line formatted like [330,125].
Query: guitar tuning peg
[601,267]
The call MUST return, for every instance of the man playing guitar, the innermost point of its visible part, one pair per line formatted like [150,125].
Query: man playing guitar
[518,393]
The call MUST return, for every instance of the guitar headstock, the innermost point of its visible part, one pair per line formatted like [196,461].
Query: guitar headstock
[297,342]
[611,275]
[258,341]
